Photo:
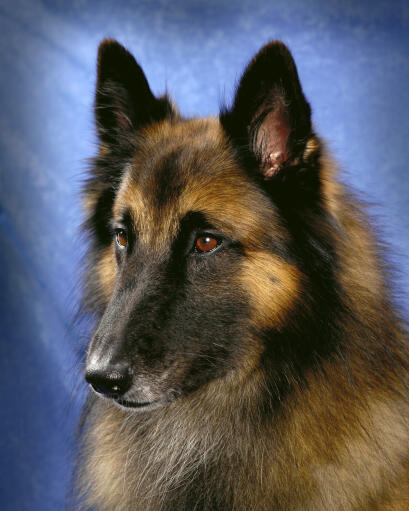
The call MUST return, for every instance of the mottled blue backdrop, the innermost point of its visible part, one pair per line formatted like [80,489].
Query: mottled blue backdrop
[353,61]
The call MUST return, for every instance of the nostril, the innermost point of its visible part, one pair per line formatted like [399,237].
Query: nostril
[102,389]
[108,389]
[109,381]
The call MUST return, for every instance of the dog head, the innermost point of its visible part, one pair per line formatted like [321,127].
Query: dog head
[194,260]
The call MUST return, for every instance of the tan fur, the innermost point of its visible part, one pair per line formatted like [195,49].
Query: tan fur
[341,440]
[223,195]
[273,285]
[106,271]
[328,452]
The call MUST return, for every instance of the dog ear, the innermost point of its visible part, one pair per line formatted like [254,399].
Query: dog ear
[270,115]
[123,100]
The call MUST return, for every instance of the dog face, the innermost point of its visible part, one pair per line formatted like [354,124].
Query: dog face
[193,259]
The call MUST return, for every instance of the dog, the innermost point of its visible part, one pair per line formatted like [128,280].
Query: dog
[247,354]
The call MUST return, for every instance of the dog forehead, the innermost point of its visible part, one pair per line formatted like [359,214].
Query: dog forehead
[172,155]
[188,167]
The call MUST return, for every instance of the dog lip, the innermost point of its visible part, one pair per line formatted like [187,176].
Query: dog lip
[134,404]
[139,406]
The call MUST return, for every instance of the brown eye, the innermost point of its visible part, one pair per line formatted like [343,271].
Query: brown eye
[121,238]
[206,244]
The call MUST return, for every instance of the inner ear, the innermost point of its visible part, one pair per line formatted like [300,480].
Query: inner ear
[269,134]
[270,116]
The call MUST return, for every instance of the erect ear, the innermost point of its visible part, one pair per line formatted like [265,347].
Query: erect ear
[270,115]
[123,99]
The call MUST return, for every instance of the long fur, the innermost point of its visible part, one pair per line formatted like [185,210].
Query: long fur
[310,410]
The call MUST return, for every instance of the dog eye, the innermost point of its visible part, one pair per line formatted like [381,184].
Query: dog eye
[121,238]
[206,243]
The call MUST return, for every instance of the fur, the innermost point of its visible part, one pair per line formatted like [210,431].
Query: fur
[275,367]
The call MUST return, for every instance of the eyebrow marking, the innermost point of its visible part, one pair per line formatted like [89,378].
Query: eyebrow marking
[195,220]
[123,218]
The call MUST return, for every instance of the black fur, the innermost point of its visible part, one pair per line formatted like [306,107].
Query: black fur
[178,327]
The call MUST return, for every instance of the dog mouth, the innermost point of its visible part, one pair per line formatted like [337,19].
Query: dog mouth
[125,404]
[137,406]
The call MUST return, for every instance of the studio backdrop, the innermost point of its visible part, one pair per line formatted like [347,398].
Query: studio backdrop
[353,62]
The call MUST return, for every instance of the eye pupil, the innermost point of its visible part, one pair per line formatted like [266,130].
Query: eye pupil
[206,243]
[121,238]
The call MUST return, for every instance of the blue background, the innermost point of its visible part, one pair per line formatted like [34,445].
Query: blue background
[353,62]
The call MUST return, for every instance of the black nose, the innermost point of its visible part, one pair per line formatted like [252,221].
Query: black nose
[111,381]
